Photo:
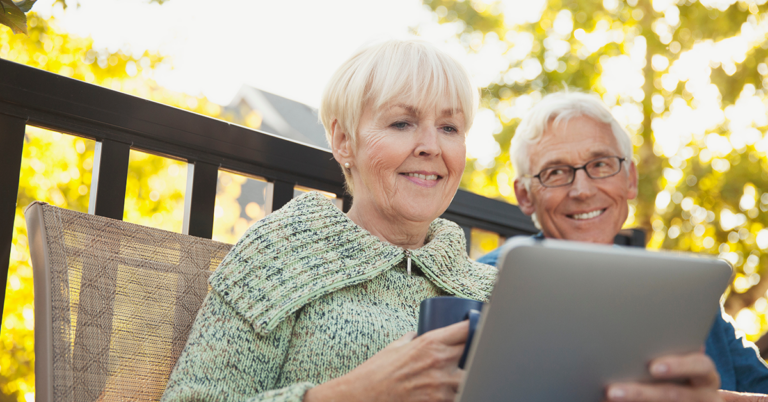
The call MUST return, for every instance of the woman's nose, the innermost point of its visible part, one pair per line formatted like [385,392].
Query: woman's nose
[427,143]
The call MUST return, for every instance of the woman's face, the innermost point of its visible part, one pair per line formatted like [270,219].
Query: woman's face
[408,161]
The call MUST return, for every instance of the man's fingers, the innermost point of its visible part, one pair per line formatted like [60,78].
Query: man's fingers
[634,392]
[695,367]
[729,396]
[455,334]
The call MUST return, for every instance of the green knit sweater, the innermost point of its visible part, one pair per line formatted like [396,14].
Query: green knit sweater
[306,296]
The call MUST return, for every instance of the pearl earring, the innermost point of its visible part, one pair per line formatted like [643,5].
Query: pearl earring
[346,165]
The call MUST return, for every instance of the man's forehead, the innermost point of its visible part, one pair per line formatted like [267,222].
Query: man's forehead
[574,141]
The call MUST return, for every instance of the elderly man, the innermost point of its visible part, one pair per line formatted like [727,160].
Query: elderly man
[574,176]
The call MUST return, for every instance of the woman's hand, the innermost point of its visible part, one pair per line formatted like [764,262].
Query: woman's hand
[700,381]
[420,369]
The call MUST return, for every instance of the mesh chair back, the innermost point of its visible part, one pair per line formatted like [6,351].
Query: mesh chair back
[114,303]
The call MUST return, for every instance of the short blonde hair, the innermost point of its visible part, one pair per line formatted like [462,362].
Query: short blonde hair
[395,70]
[555,109]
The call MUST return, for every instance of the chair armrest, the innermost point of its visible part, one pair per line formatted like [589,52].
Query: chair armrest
[38,251]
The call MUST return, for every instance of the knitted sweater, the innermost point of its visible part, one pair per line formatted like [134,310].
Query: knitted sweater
[306,296]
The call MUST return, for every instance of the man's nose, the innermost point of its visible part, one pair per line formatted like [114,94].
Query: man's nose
[582,186]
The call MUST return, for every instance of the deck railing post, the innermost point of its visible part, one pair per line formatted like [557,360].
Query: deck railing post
[282,193]
[200,200]
[110,175]
[12,130]
[346,203]
[468,237]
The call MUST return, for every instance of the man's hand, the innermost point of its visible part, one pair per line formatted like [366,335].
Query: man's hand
[729,396]
[692,377]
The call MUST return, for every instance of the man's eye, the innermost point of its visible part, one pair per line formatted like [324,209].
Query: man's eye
[556,172]
[600,164]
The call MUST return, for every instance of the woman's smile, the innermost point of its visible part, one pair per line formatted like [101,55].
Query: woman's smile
[422,178]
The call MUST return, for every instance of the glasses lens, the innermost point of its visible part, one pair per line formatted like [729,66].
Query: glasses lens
[604,167]
[556,176]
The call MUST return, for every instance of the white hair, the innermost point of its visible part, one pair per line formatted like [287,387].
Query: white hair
[555,109]
[412,71]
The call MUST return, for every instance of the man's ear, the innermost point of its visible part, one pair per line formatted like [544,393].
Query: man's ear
[632,190]
[341,145]
[523,195]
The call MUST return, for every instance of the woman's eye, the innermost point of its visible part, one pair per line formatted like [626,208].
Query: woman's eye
[450,129]
[556,172]
[400,125]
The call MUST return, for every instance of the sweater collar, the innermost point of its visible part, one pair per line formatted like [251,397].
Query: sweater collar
[310,248]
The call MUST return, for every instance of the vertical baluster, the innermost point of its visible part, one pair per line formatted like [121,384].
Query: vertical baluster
[110,174]
[200,199]
[282,192]
[468,236]
[12,131]
[347,202]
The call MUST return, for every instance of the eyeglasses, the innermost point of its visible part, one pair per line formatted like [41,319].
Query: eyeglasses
[563,175]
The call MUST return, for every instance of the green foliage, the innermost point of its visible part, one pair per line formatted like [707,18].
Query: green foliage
[12,16]
[686,78]
[25,5]
[76,3]
[12,13]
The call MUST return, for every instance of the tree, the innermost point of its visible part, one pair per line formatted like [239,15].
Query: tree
[687,79]
[56,168]
[13,13]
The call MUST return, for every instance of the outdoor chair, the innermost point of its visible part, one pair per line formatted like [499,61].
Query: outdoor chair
[114,303]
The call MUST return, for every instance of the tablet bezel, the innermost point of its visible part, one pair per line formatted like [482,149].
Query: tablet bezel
[619,307]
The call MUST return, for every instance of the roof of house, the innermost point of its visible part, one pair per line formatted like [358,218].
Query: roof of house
[282,116]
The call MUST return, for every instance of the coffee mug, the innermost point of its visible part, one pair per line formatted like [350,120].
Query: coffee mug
[439,312]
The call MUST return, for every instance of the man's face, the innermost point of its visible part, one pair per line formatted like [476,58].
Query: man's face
[591,210]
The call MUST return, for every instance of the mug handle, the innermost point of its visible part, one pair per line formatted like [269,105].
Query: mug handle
[474,318]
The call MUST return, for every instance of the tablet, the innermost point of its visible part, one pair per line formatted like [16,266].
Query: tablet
[567,318]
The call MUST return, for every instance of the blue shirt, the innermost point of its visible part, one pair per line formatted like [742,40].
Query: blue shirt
[740,366]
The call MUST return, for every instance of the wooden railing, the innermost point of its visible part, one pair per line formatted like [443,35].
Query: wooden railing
[121,122]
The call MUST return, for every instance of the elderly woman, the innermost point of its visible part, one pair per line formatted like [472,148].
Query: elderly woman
[310,303]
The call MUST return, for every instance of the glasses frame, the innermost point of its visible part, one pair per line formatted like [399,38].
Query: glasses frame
[577,168]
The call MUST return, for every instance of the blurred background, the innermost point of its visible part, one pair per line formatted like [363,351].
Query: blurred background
[687,78]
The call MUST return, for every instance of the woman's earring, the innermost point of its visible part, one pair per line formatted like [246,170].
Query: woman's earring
[346,165]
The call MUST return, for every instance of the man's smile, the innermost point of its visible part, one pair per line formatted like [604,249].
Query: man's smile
[587,215]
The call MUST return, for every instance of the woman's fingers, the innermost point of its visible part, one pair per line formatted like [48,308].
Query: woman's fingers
[404,339]
[458,378]
[697,368]
[454,334]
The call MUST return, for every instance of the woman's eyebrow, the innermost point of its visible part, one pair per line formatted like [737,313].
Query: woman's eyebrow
[408,108]
[451,112]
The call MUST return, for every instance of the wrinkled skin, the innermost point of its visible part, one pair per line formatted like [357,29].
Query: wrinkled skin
[393,142]
[574,143]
